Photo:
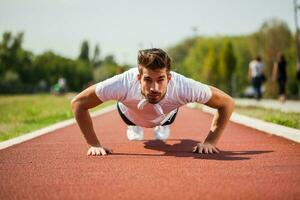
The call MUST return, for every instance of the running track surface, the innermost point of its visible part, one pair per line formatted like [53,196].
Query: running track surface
[252,165]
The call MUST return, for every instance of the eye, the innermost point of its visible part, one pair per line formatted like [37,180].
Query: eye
[147,79]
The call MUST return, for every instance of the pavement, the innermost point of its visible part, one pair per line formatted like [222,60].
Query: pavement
[288,106]
[251,165]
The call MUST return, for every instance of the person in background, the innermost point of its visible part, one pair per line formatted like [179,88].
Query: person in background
[279,74]
[256,75]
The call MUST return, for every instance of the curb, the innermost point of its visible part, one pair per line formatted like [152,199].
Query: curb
[288,106]
[49,129]
[266,127]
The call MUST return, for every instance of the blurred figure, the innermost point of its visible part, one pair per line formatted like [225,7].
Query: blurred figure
[60,87]
[62,84]
[256,75]
[279,74]
[298,78]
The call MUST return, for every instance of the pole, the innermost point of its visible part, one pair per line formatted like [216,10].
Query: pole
[297,31]
[297,43]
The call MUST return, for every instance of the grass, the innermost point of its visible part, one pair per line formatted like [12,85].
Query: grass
[21,114]
[289,119]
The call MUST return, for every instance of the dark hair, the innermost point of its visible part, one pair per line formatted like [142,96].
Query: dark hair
[258,58]
[153,59]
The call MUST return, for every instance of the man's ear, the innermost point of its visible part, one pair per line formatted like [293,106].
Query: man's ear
[169,76]
[139,76]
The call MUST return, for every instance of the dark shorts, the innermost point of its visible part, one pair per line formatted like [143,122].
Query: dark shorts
[129,123]
[281,87]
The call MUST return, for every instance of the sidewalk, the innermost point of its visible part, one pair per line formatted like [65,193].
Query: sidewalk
[288,106]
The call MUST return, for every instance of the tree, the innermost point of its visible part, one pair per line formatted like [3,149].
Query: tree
[84,51]
[227,66]
[50,67]
[275,37]
[96,58]
[243,56]
[210,67]
[179,52]
[108,68]
[15,62]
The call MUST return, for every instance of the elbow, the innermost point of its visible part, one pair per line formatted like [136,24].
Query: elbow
[74,104]
[230,103]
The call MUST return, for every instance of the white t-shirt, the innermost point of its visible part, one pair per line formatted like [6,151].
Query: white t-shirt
[126,89]
[256,68]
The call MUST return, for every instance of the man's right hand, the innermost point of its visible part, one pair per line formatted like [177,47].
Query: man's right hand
[98,151]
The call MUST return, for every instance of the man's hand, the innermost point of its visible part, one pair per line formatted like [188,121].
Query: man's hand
[98,151]
[206,148]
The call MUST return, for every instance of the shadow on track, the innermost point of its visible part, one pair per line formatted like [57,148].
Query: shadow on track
[184,148]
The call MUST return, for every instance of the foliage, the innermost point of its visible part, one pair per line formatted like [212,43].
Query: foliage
[227,66]
[84,51]
[210,67]
[23,72]
[50,67]
[108,68]
[223,61]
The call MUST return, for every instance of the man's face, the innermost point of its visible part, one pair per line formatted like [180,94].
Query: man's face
[154,84]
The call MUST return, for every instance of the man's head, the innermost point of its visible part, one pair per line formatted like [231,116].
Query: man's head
[154,73]
[258,58]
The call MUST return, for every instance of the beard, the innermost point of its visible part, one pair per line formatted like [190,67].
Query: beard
[154,97]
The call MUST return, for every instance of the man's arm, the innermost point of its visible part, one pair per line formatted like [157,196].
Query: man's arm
[224,105]
[80,104]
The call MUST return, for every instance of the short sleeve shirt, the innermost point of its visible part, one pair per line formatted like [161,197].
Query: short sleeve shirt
[256,68]
[126,89]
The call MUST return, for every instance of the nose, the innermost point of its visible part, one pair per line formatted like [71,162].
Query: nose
[154,86]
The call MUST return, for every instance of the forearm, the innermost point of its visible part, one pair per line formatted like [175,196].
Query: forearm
[84,121]
[219,122]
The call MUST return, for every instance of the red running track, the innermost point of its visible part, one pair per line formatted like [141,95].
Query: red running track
[252,165]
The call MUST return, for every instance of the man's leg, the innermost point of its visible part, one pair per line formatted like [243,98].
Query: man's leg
[163,132]
[259,94]
[256,87]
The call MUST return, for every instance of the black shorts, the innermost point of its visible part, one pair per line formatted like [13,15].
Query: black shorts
[130,123]
[281,87]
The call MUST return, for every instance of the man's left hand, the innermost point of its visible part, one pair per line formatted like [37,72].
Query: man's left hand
[205,148]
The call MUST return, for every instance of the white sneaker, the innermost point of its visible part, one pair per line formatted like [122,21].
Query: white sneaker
[161,132]
[135,133]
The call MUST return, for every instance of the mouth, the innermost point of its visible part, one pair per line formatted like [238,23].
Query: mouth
[156,95]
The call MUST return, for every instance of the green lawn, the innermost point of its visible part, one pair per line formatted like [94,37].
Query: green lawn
[289,119]
[20,114]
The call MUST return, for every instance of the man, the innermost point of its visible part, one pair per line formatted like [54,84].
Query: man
[149,96]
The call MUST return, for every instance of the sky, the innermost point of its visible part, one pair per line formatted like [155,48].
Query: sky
[122,27]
